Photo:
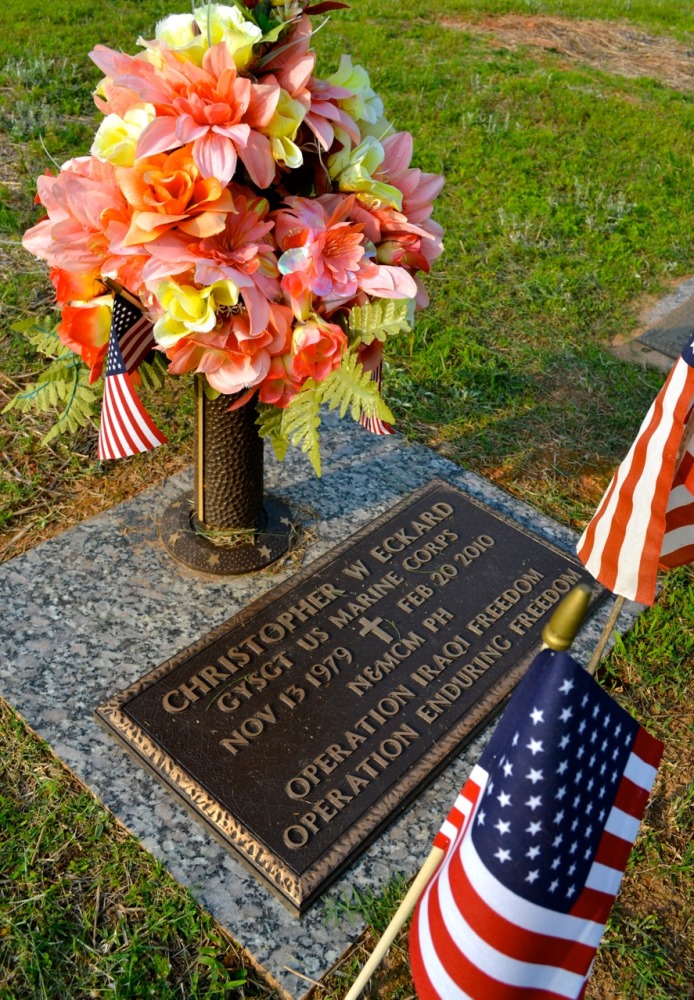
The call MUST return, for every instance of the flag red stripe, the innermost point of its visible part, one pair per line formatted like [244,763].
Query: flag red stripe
[128,411]
[678,557]
[465,972]
[648,748]
[510,938]
[124,421]
[593,905]
[585,550]
[686,472]
[680,517]
[136,343]
[631,798]
[613,851]
[118,443]
[130,444]
[623,542]
[615,539]
[106,447]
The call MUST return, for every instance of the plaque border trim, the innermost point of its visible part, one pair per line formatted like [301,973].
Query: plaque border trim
[299,892]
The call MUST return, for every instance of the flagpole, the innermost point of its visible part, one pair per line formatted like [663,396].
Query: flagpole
[606,633]
[558,634]
[393,928]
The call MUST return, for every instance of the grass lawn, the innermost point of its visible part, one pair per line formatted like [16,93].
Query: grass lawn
[567,207]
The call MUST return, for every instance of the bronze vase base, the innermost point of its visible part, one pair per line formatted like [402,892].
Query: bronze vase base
[252,551]
[227,526]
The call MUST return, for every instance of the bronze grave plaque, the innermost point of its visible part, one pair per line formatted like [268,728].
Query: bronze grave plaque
[302,726]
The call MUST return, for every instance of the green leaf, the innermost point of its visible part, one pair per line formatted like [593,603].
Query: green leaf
[379,319]
[153,372]
[63,386]
[301,421]
[349,387]
[210,393]
[269,423]
[44,337]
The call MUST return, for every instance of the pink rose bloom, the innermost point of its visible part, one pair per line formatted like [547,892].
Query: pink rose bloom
[317,348]
[280,386]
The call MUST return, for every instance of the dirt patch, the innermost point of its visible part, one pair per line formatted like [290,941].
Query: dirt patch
[609,46]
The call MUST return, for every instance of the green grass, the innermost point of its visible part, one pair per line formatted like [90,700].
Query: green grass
[73,926]
[568,201]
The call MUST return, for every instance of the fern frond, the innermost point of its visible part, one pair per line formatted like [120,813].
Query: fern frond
[379,319]
[349,387]
[63,385]
[78,409]
[269,424]
[44,337]
[301,420]
[153,372]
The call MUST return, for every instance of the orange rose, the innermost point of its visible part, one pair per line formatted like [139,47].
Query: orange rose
[69,286]
[85,329]
[317,349]
[168,190]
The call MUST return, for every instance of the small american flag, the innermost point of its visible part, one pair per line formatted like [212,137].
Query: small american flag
[126,428]
[375,424]
[536,845]
[646,517]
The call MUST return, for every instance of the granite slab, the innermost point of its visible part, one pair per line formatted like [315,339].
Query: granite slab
[671,333]
[89,612]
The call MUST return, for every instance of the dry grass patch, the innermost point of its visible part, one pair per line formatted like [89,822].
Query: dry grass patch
[609,46]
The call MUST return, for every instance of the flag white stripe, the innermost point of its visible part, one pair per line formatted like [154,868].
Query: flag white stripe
[679,497]
[628,568]
[449,830]
[640,772]
[522,912]
[121,420]
[678,538]
[104,448]
[604,879]
[436,973]
[622,825]
[138,429]
[107,423]
[627,575]
[494,963]
[134,340]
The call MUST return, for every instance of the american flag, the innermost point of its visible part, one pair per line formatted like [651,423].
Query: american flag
[126,428]
[536,844]
[646,517]
[375,424]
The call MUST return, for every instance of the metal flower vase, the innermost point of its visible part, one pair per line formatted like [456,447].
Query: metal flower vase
[227,526]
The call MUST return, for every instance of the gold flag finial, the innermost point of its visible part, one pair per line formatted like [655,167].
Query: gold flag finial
[560,631]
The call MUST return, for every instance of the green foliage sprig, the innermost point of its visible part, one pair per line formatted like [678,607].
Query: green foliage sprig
[379,319]
[63,386]
[348,387]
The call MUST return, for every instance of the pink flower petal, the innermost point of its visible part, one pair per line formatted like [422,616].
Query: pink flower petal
[158,137]
[263,102]
[215,156]
[389,283]
[257,159]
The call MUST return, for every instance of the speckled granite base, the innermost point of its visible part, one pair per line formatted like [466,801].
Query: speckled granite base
[89,612]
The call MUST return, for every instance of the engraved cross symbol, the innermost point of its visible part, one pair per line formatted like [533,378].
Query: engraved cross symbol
[372,626]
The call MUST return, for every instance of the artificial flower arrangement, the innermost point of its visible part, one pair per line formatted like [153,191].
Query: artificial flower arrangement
[268,221]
